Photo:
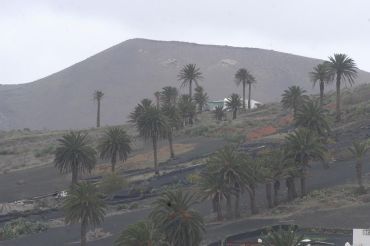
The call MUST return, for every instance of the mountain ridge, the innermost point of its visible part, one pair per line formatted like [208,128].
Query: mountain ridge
[134,69]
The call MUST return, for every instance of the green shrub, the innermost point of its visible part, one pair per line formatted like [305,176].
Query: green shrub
[7,152]
[44,152]
[122,207]
[112,183]
[19,227]
[193,178]
[134,205]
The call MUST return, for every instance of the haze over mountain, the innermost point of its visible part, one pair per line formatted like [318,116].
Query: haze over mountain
[135,69]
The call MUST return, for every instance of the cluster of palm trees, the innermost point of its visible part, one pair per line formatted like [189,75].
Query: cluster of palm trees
[75,154]
[230,172]
[171,222]
[339,68]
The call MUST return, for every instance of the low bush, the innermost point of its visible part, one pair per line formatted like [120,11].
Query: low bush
[19,227]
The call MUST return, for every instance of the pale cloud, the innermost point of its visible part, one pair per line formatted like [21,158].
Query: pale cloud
[40,37]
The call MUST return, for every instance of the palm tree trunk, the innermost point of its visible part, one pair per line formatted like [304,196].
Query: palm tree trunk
[303,185]
[234,114]
[292,193]
[155,155]
[359,174]
[252,197]
[113,162]
[83,233]
[322,85]
[276,190]
[172,152]
[74,175]
[249,96]
[237,205]
[229,210]
[303,180]
[244,94]
[190,89]
[338,117]
[98,115]
[237,201]
[269,194]
[216,204]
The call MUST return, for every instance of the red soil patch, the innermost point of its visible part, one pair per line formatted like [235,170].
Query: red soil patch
[261,132]
[286,120]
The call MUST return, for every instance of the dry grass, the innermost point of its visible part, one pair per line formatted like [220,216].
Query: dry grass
[145,160]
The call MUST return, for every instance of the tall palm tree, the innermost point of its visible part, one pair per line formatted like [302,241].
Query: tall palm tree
[359,150]
[174,121]
[74,155]
[227,164]
[312,116]
[321,75]
[84,205]
[169,95]
[304,146]
[219,112]
[293,98]
[244,77]
[200,98]
[187,108]
[343,68]
[282,237]
[157,96]
[152,124]
[212,186]
[114,144]
[173,215]
[233,103]
[143,233]
[189,74]
[252,175]
[98,96]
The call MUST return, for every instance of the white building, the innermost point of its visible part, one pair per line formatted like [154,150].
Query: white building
[213,104]
[361,237]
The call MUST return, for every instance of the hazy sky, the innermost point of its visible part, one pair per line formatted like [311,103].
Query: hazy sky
[40,37]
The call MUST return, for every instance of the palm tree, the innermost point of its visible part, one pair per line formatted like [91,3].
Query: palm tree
[173,215]
[359,150]
[219,112]
[282,237]
[174,122]
[233,104]
[75,155]
[243,76]
[189,74]
[114,144]
[252,175]
[98,95]
[293,98]
[200,98]
[152,124]
[227,165]
[140,109]
[187,109]
[304,146]
[157,96]
[321,75]
[84,205]
[212,186]
[312,116]
[169,95]
[343,68]
[143,233]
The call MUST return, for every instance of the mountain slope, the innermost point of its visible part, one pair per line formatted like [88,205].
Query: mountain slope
[136,68]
